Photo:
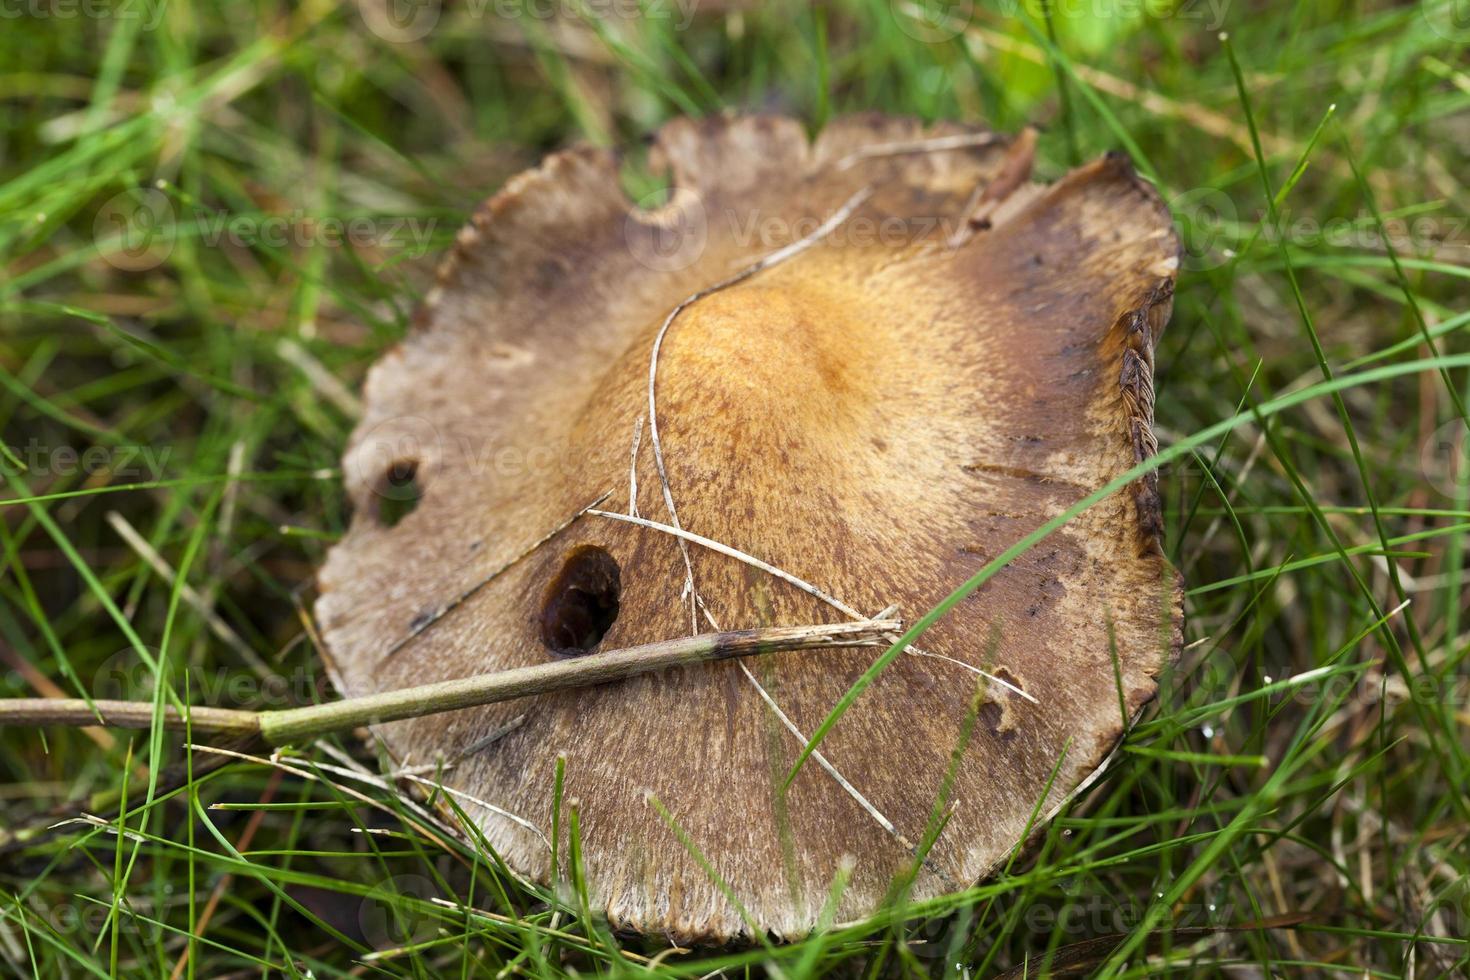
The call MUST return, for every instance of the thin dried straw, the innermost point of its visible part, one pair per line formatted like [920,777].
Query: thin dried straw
[431,827]
[774,258]
[633,468]
[842,781]
[804,586]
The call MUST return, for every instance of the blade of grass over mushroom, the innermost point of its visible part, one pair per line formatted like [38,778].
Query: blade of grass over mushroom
[1032,820]
[842,780]
[1165,455]
[847,787]
[688,843]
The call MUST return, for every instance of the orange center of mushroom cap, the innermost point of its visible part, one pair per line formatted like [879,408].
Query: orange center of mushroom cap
[767,352]
[781,367]
[783,378]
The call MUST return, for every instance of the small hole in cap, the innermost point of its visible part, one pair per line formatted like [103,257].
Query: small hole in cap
[581,602]
[398,491]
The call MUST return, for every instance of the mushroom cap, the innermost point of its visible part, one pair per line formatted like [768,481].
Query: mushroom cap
[879,416]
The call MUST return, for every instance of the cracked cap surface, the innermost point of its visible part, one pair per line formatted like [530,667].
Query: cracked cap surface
[878,415]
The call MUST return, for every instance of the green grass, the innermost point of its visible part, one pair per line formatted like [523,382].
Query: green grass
[1308,758]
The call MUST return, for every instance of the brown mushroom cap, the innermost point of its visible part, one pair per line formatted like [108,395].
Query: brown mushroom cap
[878,415]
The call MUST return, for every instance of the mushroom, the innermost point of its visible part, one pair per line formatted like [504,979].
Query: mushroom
[867,414]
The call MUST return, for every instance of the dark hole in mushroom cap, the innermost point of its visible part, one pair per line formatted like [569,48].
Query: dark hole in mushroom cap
[582,602]
[398,491]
